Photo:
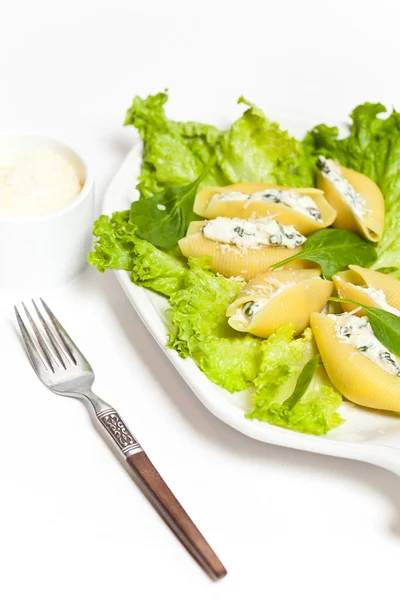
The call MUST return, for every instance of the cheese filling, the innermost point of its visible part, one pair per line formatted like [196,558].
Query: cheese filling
[357,332]
[252,233]
[248,310]
[355,201]
[378,296]
[298,202]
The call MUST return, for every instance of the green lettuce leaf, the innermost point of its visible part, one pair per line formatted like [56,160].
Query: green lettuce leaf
[282,360]
[117,247]
[200,328]
[373,148]
[256,149]
[253,149]
[359,150]
[113,248]
[174,153]
[159,271]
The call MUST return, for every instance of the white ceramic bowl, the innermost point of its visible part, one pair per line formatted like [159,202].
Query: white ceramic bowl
[44,251]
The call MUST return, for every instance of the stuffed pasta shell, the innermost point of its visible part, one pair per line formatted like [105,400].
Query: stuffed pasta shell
[275,298]
[368,287]
[358,201]
[358,365]
[304,208]
[242,248]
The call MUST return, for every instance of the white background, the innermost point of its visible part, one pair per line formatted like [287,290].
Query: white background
[72,523]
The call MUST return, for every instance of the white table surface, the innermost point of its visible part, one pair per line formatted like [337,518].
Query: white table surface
[72,523]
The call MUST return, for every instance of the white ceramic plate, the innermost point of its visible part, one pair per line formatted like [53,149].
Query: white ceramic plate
[366,435]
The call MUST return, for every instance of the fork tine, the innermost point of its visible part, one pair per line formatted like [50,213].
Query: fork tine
[37,361]
[43,346]
[69,345]
[54,344]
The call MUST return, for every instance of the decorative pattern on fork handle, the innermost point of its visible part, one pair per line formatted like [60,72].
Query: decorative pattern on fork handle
[120,433]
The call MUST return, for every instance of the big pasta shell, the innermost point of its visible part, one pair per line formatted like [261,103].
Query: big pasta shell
[346,282]
[206,206]
[372,223]
[351,372]
[234,261]
[303,292]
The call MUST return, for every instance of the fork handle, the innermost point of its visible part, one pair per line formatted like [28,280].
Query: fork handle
[174,514]
[156,489]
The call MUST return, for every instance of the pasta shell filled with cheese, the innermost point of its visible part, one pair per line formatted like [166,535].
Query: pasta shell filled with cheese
[363,370]
[304,208]
[242,248]
[368,287]
[275,298]
[358,201]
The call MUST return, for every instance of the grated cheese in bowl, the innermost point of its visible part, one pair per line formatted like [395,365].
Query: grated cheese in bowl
[36,181]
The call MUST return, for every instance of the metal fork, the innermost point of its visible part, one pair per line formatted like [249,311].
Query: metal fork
[63,369]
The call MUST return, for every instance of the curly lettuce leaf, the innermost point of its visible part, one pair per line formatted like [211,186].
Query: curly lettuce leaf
[282,360]
[256,149]
[113,248]
[148,116]
[373,148]
[358,150]
[156,270]
[117,247]
[200,329]
[174,153]
[229,361]
[253,149]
